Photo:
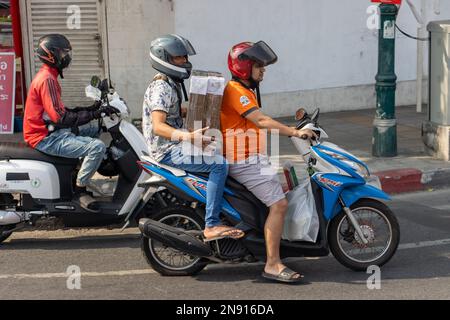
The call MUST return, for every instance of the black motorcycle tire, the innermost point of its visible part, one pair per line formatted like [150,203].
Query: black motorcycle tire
[147,250]
[5,229]
[381,261]
[4,200]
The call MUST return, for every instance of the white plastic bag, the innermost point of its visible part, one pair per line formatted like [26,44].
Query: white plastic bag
[302,221]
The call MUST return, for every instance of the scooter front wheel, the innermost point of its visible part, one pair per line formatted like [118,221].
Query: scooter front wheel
[6,200]
[4,234]
[379,226]
[168,261]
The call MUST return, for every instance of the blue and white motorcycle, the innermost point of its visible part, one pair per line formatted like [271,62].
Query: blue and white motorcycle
[355,225]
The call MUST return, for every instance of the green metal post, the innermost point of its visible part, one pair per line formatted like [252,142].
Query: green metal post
[385,124]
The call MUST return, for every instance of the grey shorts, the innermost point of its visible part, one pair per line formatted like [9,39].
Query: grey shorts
[259,178]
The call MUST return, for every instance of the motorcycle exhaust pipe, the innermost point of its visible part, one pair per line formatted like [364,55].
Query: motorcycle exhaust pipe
[11,217]
[174,238]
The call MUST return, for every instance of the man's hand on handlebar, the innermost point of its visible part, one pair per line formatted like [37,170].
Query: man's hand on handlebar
[105,111]
[97,105]
[306,134]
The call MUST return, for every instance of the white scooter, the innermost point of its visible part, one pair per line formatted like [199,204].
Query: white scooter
[34,185]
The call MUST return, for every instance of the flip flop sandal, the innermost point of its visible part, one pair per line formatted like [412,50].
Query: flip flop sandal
[285,276]
[229,233]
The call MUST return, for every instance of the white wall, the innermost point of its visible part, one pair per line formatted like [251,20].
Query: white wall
[327,55]
[132,25]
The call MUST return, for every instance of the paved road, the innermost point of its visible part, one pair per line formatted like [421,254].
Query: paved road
[114,268]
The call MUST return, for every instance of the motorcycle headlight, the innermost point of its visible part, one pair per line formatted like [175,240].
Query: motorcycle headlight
[360,169]
[363,171]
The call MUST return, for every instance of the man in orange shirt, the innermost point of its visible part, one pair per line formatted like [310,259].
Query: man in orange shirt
[242,121]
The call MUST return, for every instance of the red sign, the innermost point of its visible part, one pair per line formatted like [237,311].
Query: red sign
[388,1]
[7,91]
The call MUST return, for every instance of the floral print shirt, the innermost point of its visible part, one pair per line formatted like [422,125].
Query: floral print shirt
[161,95]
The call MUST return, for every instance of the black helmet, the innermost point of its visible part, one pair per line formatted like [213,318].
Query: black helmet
[55,50]
[164,48]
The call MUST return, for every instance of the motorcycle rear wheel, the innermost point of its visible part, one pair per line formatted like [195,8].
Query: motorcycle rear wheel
[162,258]
[380,227]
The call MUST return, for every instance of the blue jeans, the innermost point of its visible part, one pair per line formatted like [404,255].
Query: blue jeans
[218,169]
[63,143]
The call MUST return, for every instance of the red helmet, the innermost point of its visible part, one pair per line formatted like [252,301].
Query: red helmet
[243,55]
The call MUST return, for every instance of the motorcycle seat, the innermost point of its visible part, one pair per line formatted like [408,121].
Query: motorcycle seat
[21,151]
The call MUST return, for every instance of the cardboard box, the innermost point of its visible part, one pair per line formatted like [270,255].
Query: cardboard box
[205,102]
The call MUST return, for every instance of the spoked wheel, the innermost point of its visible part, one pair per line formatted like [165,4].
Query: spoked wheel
[168,261]
[379,226]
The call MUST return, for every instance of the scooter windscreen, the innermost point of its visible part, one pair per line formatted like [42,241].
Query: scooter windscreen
[261,53]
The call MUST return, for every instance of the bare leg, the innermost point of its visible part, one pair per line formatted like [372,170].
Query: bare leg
[273,231]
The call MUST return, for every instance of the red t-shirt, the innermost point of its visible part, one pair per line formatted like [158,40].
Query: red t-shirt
[43,104]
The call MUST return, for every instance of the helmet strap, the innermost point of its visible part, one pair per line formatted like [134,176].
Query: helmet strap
[258,95]
[186,98]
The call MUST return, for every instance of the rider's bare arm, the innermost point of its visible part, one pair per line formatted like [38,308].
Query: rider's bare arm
[263,121]
[162,129]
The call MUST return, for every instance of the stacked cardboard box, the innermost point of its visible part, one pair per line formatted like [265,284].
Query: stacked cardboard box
[206,95]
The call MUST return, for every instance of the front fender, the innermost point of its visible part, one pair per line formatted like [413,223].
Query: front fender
[352,195]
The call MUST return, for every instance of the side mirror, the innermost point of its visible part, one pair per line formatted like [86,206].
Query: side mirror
[315,116]
[104,85]
[95,81]
[301,114]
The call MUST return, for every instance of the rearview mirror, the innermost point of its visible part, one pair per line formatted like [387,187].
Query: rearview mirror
[104,85]
[315,116]
[95,81]
[301,114]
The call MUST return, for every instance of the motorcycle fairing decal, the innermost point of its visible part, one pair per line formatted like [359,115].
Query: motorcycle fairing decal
[328,183]
[201,184]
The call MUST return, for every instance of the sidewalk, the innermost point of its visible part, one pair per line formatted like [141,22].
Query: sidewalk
[412,170]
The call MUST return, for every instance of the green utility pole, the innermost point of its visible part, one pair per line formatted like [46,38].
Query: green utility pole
[385,124]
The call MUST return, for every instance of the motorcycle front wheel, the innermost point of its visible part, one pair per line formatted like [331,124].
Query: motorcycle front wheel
[6,200]
[379,226]
[4,234]
[168,261]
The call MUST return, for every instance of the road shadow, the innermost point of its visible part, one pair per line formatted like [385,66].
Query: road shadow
[410,264]
[79,243]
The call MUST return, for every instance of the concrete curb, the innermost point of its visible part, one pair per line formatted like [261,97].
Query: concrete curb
[408,180]
[413,180]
